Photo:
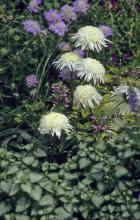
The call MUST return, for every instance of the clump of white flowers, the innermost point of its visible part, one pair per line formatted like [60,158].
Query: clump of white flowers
[54,123]
[87,96]
[90,69]
[68,59]
[90,38]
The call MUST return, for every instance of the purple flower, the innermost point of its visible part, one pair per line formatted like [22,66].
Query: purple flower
[59,28]
[79,52]
[137,7]
[64,46]
[127,55]
[65,74]
[34,5]
[68,13]
[101,2]
[31,80]
[52,16]
[32,27]
[81,6]
[133,100]
[106,30]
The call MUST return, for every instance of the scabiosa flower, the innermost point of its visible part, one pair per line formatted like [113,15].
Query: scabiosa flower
[68,13]
[64,46]
[31,80]
[54,123]
[90,69]
[59,28]
[52,16]
[106,30]
[32,26]
[68,59]
[81,6]
[87,96]
[90,37]
[34,5]
[65,74]
[81,53]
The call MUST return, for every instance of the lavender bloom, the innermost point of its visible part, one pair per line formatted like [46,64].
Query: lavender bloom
[59,28]
[68,13]
[52,16]
[133,100]
[137,7]
[34,5]
[81,6]
[64,46]
[32,27]
[79,52]
[65,74]
[127,55]
[106,30]
[31,80]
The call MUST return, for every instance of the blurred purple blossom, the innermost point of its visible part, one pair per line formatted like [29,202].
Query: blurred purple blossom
[31,80]
[52,16]
[133,100]
[64,46]
[127,55]
[137,7]
[60,94]
[101,2]
[68,13]
[59,28]
[81,6]
[79,52]
[34,5]
[106,30]
[98,126]
[65,74]
[32,26]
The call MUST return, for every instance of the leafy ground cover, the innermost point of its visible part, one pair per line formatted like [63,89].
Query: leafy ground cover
[69,116]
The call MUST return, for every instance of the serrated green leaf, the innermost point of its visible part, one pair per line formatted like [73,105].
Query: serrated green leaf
[84,162]
[97,200]
[47,200]
[22,204]
[28,160]
[120,171]
[36,193]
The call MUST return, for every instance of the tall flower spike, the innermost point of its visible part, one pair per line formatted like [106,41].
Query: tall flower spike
[68,59]
[90,69]
[90,38]
[54,123]
[87,96]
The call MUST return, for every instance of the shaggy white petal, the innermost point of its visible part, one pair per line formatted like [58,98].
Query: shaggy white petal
[54,123]
[68,59]
[90,69]
[90,37]
[87,96]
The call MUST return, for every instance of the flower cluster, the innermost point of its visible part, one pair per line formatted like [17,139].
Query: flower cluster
[60,94]
[57,18]
[31,81]
[33,6]
[32,27]
[133,98]
[98,126]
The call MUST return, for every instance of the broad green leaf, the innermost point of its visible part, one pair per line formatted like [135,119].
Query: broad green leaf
[120,171]
[22,204]
[36,193]
[84,162]
[28,160]
[97,200]
[47,200]
[4,208]
[6,185]
[62,214]
[35,177]
[14,189]
[27,187]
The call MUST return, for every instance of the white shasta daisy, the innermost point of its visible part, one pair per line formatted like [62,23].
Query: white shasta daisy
[68,59]
[87,96]
[90,69]
[90,37]
[54,123]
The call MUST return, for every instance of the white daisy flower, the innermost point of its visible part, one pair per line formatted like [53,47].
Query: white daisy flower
[54,123]
[90,69]
[68,59]
[90,37]
[87,96]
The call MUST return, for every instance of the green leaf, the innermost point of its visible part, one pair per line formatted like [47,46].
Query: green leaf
[120,171]
[4,208]
[12,170]
[47,200]
[36,193]
[14,189]
[5,186]
[40,153]
[62,214]
[84,162]
[28,160]
[22,204]
[97,200]
[35,177]
[27,188]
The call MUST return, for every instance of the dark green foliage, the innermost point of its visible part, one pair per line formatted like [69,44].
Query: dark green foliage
[100,181]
